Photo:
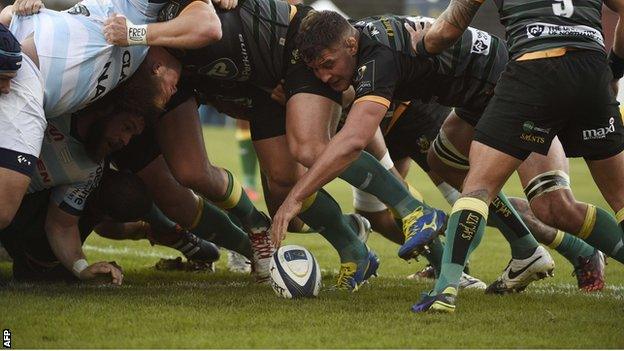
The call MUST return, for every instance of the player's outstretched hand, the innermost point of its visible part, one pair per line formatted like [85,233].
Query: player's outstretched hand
[27,7]
[289,209]
[416,31]
[116,30]
[225,4]
[98,269]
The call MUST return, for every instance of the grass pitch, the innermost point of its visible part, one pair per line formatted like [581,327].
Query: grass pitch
[156,309]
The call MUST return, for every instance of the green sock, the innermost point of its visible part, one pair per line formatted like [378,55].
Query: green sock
[367,174]
[507,220]
[214,225]
[323,213]
[601,231]
[237,203]
[157,220]
[466,226]
[434,255]
[248,159]
[571,247]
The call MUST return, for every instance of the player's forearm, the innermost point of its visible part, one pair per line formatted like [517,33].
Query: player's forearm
[65,243]
[197,26]
[450,26]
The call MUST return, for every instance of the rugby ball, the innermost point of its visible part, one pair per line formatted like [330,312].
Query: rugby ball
[295,272]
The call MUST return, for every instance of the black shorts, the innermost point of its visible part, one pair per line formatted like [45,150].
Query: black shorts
[26,241]
[267,118]
[567,96]
[298,77]
[414,131]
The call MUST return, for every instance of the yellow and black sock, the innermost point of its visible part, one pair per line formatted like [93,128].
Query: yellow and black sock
[237,203]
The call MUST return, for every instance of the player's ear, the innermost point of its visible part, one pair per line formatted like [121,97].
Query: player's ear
[352,45]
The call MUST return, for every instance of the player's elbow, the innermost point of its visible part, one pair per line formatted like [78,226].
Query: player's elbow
[207,33]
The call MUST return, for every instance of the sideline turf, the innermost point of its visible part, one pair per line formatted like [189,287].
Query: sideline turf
[224,310]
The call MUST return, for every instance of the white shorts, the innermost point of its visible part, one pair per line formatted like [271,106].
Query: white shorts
[22,120]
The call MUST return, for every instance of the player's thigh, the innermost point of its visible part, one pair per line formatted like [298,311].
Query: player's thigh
[181,140]
[13,186]
[176,201]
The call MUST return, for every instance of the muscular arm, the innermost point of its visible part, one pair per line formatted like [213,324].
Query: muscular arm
[63,236]
[196,26]
[359,129]
[451,24]
[618,43]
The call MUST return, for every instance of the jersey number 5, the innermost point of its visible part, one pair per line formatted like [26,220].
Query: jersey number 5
[564,8]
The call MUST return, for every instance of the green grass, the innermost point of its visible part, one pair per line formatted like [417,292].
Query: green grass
[223,310]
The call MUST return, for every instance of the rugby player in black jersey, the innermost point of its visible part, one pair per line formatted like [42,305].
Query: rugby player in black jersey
[557,84]
[375,56]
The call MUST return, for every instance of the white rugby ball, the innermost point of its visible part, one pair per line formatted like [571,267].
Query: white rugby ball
[295,272]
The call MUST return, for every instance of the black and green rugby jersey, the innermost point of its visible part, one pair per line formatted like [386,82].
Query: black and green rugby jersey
[252,48]
[535,25]
[388,69]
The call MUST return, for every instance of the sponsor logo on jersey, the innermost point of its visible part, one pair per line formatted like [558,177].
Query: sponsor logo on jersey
[246,72]
[481,42]
[365,78]
[223,68]
[538,30]
[599,133]
[79,9]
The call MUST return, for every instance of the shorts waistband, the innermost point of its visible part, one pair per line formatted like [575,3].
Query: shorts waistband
[548,53]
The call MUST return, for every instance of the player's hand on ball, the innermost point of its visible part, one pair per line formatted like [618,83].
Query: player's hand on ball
[99,269]
[116,30]
[27,7]
[416,31]
[225,4]
[289,209]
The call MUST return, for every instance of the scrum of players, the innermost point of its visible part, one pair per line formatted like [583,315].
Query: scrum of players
[99,131]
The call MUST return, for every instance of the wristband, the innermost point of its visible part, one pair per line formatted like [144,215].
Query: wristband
[136,34]
[79,266]
[421,50]
[617,64]
[386,161]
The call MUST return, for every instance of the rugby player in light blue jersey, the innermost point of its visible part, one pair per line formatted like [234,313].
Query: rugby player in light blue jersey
[68,64]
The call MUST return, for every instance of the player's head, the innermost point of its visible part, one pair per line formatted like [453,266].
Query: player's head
[164,70]
[329,45]
[110,131]
[10,59]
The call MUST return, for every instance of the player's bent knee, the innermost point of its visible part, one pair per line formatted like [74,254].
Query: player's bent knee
[209,182]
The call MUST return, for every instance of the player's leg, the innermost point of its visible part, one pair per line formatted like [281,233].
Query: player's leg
[248,159]
[320,212]
[181,140]
[309,119]
[22,124]
[446,158]
[546,183]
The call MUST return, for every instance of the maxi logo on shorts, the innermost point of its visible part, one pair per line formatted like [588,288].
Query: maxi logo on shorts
[530,130]
[599,133]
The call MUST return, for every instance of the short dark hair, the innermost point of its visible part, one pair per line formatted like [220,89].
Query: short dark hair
[319,31]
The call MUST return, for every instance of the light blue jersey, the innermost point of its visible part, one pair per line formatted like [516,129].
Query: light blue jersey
[65,167]
[78,66]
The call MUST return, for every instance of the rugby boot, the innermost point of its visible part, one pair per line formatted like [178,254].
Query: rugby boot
[190,245]
[520,273]
[443,302]
[590,272]
[352,275]
[422,228]
[363,226]
[262,249]
[238,263]
[467,281]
